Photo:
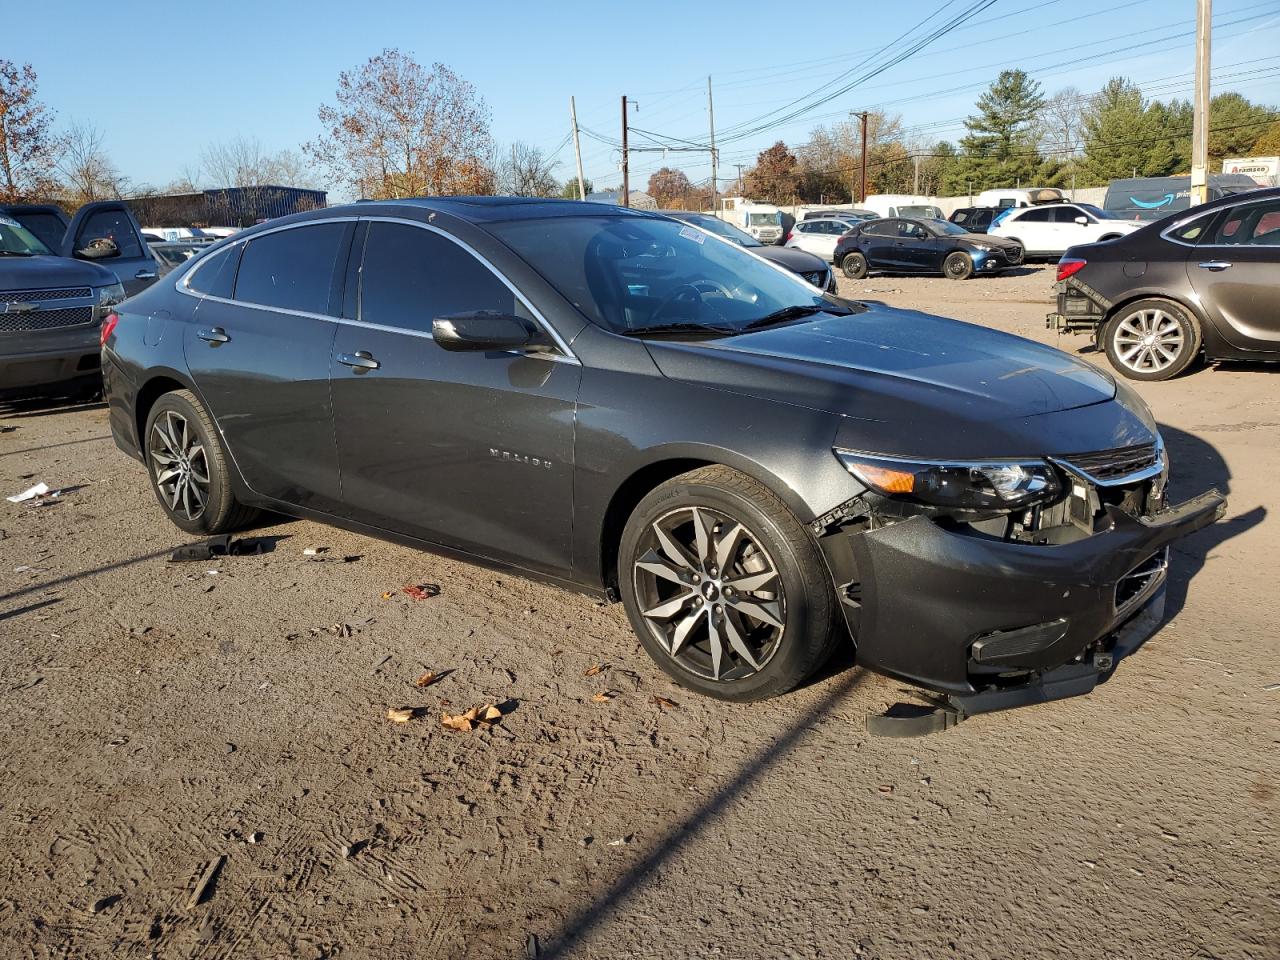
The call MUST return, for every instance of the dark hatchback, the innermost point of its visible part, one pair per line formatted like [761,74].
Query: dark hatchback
[909,245]
[810,268]
[1202,283]
[974,219]
[610,400]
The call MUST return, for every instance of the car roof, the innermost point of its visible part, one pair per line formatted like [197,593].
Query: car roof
[484,209]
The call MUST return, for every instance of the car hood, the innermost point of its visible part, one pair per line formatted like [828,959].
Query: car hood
[797,261]
[990,240]
[916,383]
[35,273]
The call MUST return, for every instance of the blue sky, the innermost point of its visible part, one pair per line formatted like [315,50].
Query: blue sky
[217,70]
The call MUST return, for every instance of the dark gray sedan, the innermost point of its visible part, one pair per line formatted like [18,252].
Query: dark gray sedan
[1201,283]
[624,404]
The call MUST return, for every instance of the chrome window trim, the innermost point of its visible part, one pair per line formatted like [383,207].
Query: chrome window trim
[1244,201]
[565,354]
[1178,224]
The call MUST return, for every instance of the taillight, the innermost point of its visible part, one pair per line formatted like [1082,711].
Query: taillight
[1069,265]
[108,325]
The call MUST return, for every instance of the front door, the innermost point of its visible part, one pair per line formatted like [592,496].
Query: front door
[1234,275]
[132,263]
[470,450]
[258,350]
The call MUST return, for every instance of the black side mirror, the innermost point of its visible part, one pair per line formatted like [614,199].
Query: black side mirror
[99,249]
[484,330]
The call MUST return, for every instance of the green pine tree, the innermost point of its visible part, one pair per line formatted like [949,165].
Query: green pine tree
[1000,147]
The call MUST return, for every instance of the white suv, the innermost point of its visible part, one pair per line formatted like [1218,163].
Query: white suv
[819,235]
[1047,231]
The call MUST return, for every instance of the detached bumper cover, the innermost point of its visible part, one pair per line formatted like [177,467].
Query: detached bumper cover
[996,624]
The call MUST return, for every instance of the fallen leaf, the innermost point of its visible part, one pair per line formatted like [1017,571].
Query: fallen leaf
[460,722]
[388,594]
[426,680]
[472,718]
[664,703]
[490,714]
[592,671]
[400,714]
[601,697]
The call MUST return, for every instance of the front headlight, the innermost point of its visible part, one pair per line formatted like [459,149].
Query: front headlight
[963,485]
[111,294]
[986,248]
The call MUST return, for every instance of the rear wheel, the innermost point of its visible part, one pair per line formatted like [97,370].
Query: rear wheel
[724,587]
[854,265]
[189,467]
[1152,340]
[957,266]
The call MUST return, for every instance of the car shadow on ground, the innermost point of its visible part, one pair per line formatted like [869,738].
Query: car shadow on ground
[1197,466]
[706,814]
[47,406]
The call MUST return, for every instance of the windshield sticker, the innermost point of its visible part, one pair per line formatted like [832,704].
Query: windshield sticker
[691,233]
[6,222]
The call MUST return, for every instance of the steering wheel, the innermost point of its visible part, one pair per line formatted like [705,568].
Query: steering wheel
[691,293]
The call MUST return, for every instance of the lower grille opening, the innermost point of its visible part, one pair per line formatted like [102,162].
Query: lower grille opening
[1139,583]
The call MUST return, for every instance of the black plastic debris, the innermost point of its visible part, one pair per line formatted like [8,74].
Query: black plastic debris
[222,546]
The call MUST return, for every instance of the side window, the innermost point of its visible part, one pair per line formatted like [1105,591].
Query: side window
[46,226]
[961,217]
[292,269]
[1035,216]
[410,276]
[804,227]
[909,231]
[215,275]
[1254,225]
[110,225]
[882,228]
[1193,231]
[1069,214]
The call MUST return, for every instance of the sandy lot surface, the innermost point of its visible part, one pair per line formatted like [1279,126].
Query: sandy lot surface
[158,718]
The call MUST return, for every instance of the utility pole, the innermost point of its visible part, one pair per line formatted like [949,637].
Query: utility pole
[739,166]
[577,150]
[711,118]
[1200,114]
[915,183]
[863,116]
[626,173]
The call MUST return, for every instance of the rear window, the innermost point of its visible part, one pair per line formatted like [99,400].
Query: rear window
[216,275]
[292,269]
[46,226]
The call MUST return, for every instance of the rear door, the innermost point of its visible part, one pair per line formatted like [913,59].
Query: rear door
[259,348]
[132,263]
[878,242]
[472,450]
[916,250]
[45,220]
[805,235]
[1035,229]
[1234,274]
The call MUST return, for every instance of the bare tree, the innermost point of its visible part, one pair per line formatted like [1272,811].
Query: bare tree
[29,149]
[1060,124]
[87,171]
[399,129]
[527,173]
[244,162]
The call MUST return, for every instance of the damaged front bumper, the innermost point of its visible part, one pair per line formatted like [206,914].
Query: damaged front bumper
[994,623]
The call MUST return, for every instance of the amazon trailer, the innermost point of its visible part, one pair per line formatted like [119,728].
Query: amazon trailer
[1150,198]
[1265,171]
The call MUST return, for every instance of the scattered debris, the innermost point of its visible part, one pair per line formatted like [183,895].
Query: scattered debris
[388,594]
[222,546]
[621,841]
[886,788]
[602,697]
[593,671]
[531,947]
[7,429]
[228,748]
[473,718]
[1271,687]
[430,677]
[421,592]
[105,903]
[314,551]
[377,664]
[664,703]
[205,881]
[349,850]
[38,495]
[400,714]
[255,837]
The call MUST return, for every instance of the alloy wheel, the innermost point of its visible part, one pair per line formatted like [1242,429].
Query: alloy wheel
[710,593]
[180,465]
[1149,341]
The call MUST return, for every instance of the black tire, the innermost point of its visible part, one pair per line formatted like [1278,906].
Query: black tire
[1176,343]
[958,265]
[805,606]
[220,511]
[854,265]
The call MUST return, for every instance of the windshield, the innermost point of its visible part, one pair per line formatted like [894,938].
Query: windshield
[17,240]
[721,229]
[924,211]
[762,219]
[628,274]
[944,227]
[1097,211]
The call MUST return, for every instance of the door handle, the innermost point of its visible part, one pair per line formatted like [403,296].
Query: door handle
[145,275]
[1216,265]
[214,336]
[361,361]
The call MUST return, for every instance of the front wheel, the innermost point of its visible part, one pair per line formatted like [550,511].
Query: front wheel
[724,587]
[854,265]
[1152,340]
[957,266]
[189,468]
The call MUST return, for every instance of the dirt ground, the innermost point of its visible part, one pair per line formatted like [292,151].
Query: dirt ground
[159,717]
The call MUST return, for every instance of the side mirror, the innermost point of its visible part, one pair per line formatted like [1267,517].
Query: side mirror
[99,249]
[1083,221]
[484,330]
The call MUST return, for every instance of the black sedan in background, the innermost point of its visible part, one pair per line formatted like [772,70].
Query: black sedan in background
[911,245]
[616,401]
[1202,283]
[812,269]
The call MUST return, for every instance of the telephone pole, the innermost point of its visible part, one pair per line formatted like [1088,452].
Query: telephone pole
[711,118]
[1200,114]
[626,173]
[577,150]
[739,166]
[863,117]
